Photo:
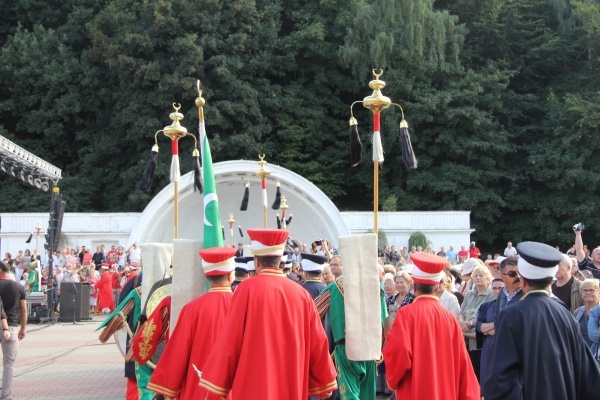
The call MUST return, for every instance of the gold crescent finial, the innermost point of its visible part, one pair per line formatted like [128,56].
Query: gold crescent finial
[262,157]
[198,86]
[176,106]
[377,75]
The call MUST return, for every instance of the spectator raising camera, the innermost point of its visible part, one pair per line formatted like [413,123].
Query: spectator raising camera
[592,263]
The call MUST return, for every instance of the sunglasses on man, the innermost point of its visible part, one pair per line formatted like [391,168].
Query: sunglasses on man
[512,274]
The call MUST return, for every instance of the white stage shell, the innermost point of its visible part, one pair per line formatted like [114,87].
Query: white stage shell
[314,214]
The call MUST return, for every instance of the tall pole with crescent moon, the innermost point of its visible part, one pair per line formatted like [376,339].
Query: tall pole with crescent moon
[262,173]
[377,102]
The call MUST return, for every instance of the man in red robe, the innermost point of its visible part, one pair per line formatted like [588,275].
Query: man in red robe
[425,354]
[198,326]
[133,272]
[272,346]
[105,289]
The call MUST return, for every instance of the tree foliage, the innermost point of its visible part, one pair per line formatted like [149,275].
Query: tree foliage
[501,97]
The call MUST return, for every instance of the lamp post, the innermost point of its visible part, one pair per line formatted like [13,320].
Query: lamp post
[377,103]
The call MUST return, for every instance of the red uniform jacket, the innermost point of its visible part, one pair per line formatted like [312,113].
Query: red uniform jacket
[425,354]
[272,346]
[198,326]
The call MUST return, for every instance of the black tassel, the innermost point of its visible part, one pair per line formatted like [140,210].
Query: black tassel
[278,222]
[408,155]
[29,240]
[223,230]
[355,143]
[289,220]
[146,181]
[240,229]
[244,205]
[197,174]
[277,201]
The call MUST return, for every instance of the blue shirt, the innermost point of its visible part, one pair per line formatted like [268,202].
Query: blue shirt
[451,256]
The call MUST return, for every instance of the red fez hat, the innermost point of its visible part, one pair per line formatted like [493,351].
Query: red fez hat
[428,268]
[218,260]
[268,242]
[104,265]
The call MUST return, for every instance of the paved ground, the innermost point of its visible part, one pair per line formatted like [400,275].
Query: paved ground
[66,361]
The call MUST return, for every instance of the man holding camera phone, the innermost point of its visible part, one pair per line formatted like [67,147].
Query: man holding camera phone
[585,263]
[323,250]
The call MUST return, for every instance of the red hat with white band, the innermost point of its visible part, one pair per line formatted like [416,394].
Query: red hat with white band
[268,242]
[218,260]
[428,269]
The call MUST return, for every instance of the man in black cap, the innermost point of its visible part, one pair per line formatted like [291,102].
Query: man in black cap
[538,351]
[312,265]
[242,270]
[286,265]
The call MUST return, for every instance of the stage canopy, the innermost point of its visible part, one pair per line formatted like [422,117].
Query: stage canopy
[314,215]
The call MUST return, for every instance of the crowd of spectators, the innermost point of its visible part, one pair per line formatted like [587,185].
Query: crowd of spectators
[77,264]
[475,290]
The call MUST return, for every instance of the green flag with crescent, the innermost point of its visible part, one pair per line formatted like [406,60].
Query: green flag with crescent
[213,236]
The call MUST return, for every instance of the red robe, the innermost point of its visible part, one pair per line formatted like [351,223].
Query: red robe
[425,354]
[105,292]
[272,346]
[198,326]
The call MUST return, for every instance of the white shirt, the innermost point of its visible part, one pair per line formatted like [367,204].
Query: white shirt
[134,255]
[510,252]
[59,278]
[450,303]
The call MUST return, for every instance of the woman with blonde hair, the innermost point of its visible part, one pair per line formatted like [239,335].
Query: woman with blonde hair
[481,292]
[401,297]
[590,291]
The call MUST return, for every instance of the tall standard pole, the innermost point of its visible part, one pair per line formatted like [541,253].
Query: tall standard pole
[262,173]
[376,102]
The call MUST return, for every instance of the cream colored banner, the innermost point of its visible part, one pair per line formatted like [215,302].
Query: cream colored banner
[362,303]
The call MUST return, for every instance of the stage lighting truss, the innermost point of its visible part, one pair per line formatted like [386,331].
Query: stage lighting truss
[27,167]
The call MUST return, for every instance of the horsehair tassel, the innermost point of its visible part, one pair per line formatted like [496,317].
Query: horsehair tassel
[197,172]
[377,146]
[355,143]
[246,197]
[175,172]
[408,155]
[146,182]
[277,201]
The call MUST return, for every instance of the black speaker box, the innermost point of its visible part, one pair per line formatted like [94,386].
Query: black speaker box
[74,296]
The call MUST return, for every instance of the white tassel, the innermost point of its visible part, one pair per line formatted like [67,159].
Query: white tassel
[175,174]
[377,147]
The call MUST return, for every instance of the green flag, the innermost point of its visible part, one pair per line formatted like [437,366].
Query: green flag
[213,237]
